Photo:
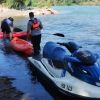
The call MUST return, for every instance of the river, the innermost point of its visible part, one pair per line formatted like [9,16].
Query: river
[78,23]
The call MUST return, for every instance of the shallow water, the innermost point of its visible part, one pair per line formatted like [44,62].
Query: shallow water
[78,23]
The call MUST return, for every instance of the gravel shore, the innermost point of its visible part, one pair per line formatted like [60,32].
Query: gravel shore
[5,12]
[7,91]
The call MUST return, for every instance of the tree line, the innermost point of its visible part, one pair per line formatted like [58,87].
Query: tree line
[19,4]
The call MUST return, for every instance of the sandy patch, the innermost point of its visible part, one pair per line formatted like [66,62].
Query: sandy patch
[5,12]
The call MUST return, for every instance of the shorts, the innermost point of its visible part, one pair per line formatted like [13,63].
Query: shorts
[5,28]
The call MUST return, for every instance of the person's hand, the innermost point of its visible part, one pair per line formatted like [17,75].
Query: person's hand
[10,36]
[28,37]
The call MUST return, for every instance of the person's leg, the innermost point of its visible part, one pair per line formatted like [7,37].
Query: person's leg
[33,41]
[5,29]
[38,42]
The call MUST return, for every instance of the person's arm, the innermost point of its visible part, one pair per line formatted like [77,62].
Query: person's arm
[11,36]
[41,26]
[11,33]
[11,28]
[28,29]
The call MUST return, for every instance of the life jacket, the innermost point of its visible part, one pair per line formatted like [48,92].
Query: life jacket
[35,24]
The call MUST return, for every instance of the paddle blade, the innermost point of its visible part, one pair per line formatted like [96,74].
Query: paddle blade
[59,34]
[16,29]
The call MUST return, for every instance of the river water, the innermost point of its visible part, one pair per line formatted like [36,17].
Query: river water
[78,23]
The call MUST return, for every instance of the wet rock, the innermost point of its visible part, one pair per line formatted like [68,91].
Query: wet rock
[7,91]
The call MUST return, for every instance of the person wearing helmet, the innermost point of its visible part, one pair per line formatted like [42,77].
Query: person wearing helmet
[34,27]
[7,27]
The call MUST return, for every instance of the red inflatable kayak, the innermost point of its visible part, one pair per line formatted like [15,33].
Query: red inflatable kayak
[22,46]
[15,34]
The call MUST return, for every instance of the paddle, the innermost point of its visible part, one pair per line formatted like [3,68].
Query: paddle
[16,29]
[59,34]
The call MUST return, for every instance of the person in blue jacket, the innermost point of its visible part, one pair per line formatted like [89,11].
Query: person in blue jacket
[7,27]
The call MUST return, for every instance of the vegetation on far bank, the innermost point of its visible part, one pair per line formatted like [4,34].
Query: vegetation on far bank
[20,4]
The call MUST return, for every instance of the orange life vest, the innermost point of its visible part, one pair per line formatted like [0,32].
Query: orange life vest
[35,24]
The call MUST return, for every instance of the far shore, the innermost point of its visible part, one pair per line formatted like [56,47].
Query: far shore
[5,12]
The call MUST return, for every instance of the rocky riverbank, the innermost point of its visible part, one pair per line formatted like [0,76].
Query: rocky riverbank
[5,12]
[7,91]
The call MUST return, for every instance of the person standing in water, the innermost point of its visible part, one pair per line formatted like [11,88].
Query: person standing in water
[34,27]
[7,27]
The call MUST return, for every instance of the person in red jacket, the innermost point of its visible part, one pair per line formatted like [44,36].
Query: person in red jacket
[34,27]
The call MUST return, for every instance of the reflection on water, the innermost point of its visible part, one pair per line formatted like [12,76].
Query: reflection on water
[78,23]
[14,66]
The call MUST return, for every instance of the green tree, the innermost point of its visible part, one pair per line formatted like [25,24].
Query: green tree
[19,4]
[2,1]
